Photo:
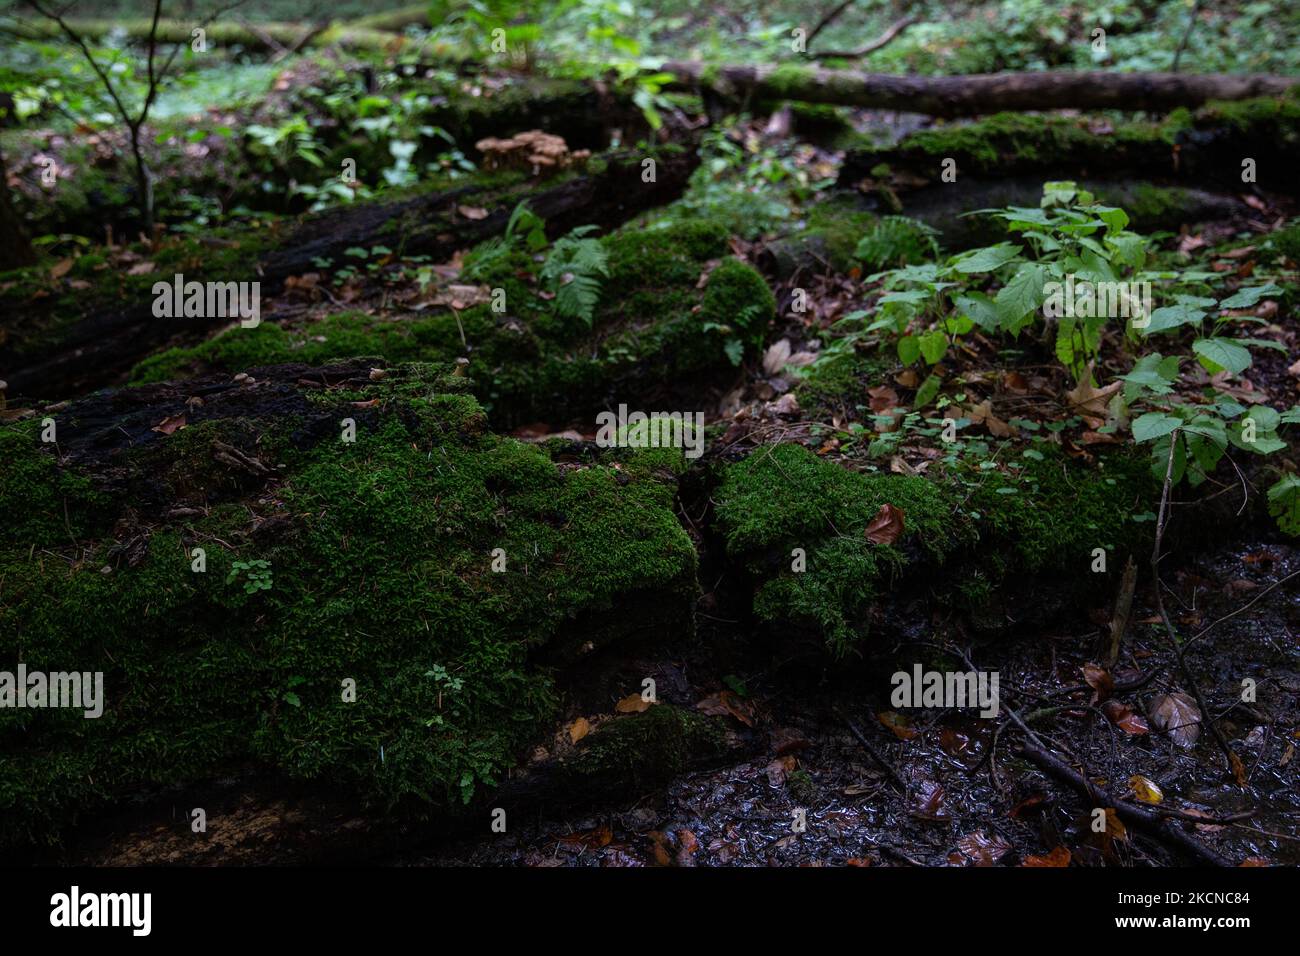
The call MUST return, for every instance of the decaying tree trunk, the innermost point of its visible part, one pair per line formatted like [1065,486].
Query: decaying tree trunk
[978,93]
[100,347]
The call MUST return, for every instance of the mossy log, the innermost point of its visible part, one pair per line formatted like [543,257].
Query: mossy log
[268,36]
[56,355]
[978,93]
[259,592]
[1204,149]
[979,550]
[672,301]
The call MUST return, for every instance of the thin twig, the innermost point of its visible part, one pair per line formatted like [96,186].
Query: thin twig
[1234,763]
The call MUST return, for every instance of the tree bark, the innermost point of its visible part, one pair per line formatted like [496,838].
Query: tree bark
[978,93]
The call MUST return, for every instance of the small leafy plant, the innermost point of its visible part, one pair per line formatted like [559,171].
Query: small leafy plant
[255,574]
[573,271]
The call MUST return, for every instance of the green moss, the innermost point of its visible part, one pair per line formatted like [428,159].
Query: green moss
[836,226]
[1285,243]
[1147,204]
[651,323]
[1053,518]
[987,530]
[837,384]
[789,80]
[784,497]
[380,555]
[646,748]
[1005,143]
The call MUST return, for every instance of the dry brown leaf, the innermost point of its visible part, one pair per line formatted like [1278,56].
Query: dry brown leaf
[886,526]
[981,849]
[579,729]
[632,704]
[1060,856]
[1088,400]
[882,398]
[1123,717]
[170,424]
[775,357]
[727,703]
[778,769]
[60,268]
[1177,714]
[1099,679]
[140,269]
[472,212]
[900,725]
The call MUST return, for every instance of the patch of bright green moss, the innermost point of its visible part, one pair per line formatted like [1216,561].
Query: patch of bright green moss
[986,529]
[380,556]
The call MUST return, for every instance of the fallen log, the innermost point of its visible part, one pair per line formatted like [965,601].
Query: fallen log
[262,36]
[978,93]
[98,348]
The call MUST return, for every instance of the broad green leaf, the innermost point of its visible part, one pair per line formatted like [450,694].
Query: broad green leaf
[1245,298]
[1153,425]
[933,346]
[909,349]
[1020,296]
[1172,317]
[1218,354]
[987,259]
[926,393]
[1284,504]
[979,308]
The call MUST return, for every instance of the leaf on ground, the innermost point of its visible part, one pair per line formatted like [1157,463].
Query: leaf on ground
[1058,857]
[778,769]
[170,424]
[927,801]
[632,704]
[886,526]
[60,268]
[589,839]
[882,398]
[725,703]
[579,729]
[982,414]
[1099,679]
[1086,399]
[900,725]
[775,357]
[981,849]
[1123,717]
[1145,789]
[1178,715]
[472,212]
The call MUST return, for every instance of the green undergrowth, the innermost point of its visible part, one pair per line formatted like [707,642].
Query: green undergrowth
[652,322]
[369,562]
[964,533]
